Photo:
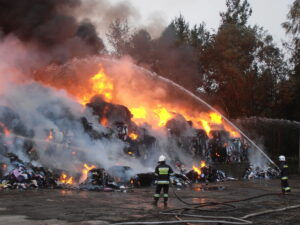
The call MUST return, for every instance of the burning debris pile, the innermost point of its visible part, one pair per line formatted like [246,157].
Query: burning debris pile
[75,124]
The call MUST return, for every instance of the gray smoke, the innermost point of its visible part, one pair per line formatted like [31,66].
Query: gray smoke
[40,110]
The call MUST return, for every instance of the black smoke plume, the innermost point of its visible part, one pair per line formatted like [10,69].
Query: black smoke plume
[51,26]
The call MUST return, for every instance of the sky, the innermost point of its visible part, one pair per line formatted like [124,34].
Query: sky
[266,13]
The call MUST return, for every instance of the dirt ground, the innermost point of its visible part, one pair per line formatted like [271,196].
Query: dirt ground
[41,207]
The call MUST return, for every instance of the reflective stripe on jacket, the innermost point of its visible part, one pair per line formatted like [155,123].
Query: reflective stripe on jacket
[162,173]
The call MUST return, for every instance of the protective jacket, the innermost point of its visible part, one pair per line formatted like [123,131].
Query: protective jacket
[284,170]
[162,173]
[284,177]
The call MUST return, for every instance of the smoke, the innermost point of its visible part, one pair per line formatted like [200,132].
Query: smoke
[103,12]
[40,110]
[133,87]
[14,64]
[50,25]
[256,158]
[30,110]
[156,23]
[39,96]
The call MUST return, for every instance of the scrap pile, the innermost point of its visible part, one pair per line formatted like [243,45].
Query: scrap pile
[253,172]
[20,175]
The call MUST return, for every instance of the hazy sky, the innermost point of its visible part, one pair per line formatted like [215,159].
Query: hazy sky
[267,13]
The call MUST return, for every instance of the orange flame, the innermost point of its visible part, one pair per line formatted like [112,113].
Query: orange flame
[50,136]
[163,115]
[139,113]
[232,132]
[65,179]
[133,136]
[151,111]
[100,85]
[104,121]
[85,171]
[215,118]
[5,129]
[198,169]
[203,164]
[206,126]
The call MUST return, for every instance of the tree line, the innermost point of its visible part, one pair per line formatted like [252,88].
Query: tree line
[238,67]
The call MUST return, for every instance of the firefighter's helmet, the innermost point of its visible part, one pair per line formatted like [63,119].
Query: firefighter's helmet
[162,158]
[281,158]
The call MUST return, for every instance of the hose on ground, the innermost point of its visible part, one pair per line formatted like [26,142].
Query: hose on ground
[234,220]
[220,203]
[182,221]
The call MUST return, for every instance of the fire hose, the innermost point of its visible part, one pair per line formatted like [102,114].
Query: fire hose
[211,219]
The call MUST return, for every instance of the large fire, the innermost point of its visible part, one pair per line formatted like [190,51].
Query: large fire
[150,111]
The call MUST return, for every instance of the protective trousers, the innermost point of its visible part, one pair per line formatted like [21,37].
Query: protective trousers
[285,185]
[165,188]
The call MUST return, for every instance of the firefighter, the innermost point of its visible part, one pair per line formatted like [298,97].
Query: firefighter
[284,175]
[162,173]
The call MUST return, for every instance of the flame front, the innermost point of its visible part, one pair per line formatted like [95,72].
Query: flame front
[152,111]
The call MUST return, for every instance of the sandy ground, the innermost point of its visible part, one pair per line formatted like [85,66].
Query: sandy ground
[41,207]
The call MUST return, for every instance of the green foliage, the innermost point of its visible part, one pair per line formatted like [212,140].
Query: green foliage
[238,68]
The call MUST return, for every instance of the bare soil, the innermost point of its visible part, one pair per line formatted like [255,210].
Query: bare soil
[41,207]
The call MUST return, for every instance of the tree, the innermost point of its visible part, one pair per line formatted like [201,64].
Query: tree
[290,99]
[238,12]
[175,57]
[292,26]
[118,36]
[242,65]
[140,47]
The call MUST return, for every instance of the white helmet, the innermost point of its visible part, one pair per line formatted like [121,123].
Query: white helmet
[162,158]
[281,158]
